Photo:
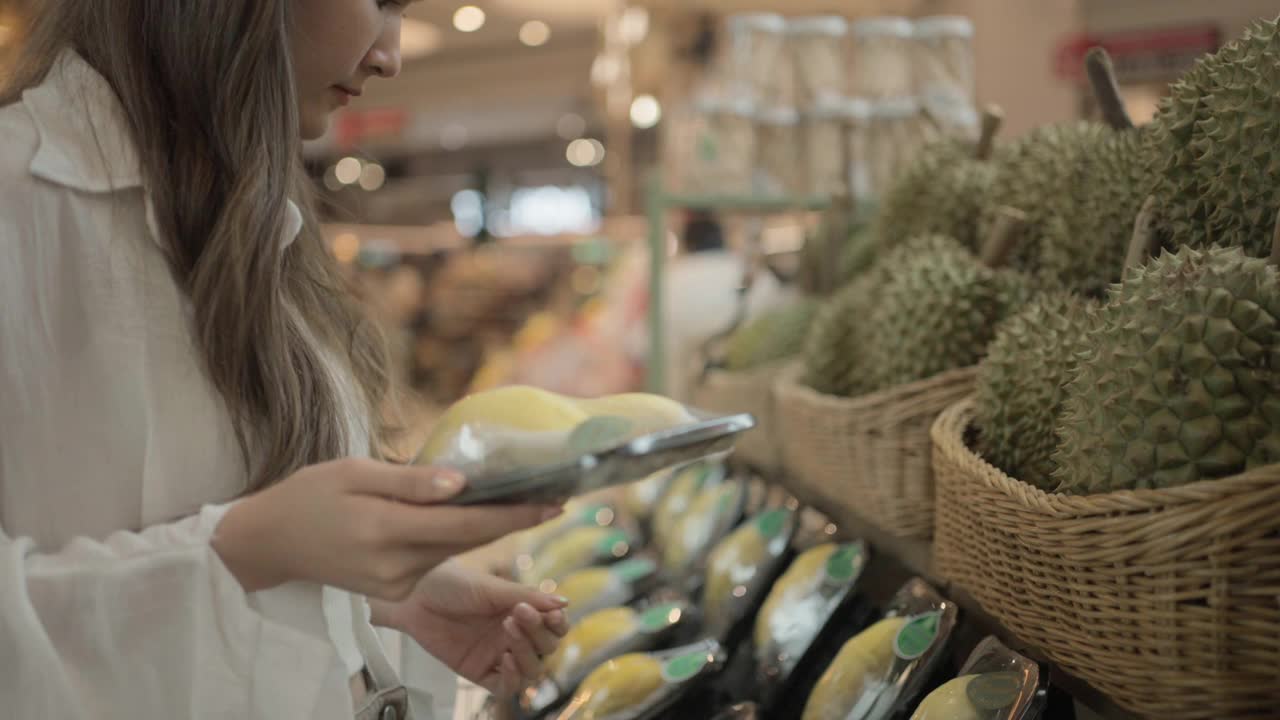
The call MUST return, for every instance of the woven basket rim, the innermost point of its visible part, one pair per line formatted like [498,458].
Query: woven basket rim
[788,382]
[949,432]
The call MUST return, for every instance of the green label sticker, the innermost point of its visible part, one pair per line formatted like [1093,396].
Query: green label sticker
[614,544]
[845,564]
[591,515]
[631,571]
[707,148]
[728,495]
[660,617]
[684,667]
[917,636]
[995,691]
[598,434]
[771,522]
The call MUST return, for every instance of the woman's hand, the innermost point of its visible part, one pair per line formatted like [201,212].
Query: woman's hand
[490,631]
[368,527]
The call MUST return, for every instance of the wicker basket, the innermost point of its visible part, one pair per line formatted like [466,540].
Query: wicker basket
[1166,600]
[749,391]
[870,455]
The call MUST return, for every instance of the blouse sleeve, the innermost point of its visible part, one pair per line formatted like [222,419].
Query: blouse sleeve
[145,625]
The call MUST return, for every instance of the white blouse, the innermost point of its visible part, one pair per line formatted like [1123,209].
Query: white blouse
[117,460]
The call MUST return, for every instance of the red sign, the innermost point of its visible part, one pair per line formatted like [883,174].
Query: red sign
[354,127]
[1138,55]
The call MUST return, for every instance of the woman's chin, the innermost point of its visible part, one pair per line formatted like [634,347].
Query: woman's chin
[313,125]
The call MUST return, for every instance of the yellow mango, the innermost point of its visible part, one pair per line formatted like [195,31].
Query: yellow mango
[860,666]
[949,702]
[621,683]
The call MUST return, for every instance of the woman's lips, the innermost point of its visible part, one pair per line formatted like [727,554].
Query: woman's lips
[343,94]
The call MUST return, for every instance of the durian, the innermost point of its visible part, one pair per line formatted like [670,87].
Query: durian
[1219,136]
[575,550]
[711,514]
[861,666]
[832,352]
[937,311]
[742,560]
[1021,385]
[1085,233]
[943,191]
[590,637]
[1180,383]
[773,336]
[1043,175]
[621,683]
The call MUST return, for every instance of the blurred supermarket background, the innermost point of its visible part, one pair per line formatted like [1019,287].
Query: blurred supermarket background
[500,202]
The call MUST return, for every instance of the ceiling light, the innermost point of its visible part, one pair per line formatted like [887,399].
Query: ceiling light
[633,26]
[645,111]
[570,126]
[348,170]
[585,152]
[418,38]
[468,18]
[535,33]
[373,177]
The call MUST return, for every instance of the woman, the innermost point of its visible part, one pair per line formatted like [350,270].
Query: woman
[192,514]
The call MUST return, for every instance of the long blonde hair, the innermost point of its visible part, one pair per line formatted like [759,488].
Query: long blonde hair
[208,96]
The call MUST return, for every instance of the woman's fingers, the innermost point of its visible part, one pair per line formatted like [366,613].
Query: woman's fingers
[533,626]
[460,526]
[558,622]
[522,650]
[403,483]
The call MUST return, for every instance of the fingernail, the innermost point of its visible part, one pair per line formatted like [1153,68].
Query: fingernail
[552,513]
[562,600]
[449,481]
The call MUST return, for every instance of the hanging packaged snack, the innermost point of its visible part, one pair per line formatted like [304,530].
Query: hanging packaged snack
[859,127]
[819,46]
[575,550]
[779,168]
[760,63]
[741,569]
[942,61]
[723,147]
[799,606]
[711,515]
[685,486]
[524,445]
[644,686]
[881,670]
[897,129]
[880,58]
[598,588]
[995,683]
[598,638]
[827,160]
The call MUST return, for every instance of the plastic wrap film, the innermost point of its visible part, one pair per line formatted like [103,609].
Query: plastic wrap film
[819,49]
[760,60]
[801,603]
[711,515]
[879,672]
[942,61]
[641,686]
[995,683]
[741,567]
[880,58]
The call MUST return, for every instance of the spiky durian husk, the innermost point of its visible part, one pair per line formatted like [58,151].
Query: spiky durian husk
[1182,378]
[1086,236]
[936,311]
[1042,175]
[773,336]
[833,355]
[1021,385]
[942,192]
[1218,135]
